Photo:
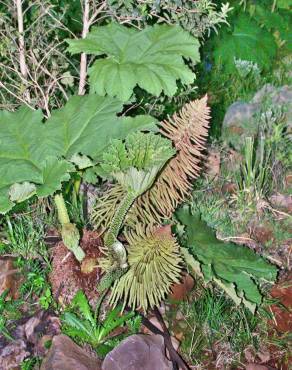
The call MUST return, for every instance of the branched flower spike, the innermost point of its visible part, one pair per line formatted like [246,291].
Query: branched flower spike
[154,265]
[188,131]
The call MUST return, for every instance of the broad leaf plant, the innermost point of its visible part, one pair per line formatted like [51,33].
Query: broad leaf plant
[153,171]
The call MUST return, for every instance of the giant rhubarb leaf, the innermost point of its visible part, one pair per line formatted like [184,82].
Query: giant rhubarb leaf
[88,123]
[237,269]
[151,58]
[35,156]
[247,41]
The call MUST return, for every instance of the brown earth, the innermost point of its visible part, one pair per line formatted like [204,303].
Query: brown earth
[67,278]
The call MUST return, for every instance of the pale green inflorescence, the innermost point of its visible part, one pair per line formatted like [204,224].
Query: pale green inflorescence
[134,164]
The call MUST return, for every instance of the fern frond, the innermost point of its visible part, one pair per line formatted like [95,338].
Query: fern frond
[188,131]
[154,265]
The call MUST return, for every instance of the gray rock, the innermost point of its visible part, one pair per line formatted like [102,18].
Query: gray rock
[256,367]
[64,354]
[138,352]
[239,112]
[281,201]
[278,96]
[239,122]
[241,119]
[260,95]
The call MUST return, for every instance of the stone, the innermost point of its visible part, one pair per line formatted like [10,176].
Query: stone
[240,118]
[288,180]
[179,336]
[231,161]
[239,112]
[13,354]
[30,335]
[278,96]
[256,367]
[260,95]
[249,354]
[175,343]
[138,351]
[179,316]
[264,356]
[64,354]
[262,233]
[162,308]
[282,201]
[154,321]
[283,311]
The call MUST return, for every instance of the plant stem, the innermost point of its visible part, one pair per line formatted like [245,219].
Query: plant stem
[69,231]
[118,220]
[62,210]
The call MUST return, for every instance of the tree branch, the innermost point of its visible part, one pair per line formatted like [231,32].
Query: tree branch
[21,44]
[16,96]
[87,22]
[83,60]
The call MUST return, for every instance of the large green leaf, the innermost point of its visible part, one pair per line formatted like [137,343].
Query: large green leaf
[151,58]
[247,41]
[285,4]
[278,23]
[87,124]
[237,268]
[34,156]
[24,159]
[136,161]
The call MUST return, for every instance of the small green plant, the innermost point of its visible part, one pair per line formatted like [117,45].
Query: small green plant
[258,32]
[82,324]
[134,164]
[30,363]
[252,181]
[211,319]
[17,230]
[35,285]
[199,17]
[9,310]
[46,298]
[256,42]
[274,126]
[213,208]
[154,266]
[149,243]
